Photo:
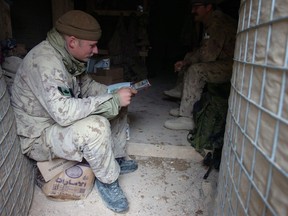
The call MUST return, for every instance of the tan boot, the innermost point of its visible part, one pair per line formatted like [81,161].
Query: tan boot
[174,93]
[175,112]
[181,123]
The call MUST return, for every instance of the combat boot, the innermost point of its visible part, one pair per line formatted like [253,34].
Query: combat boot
[175,112]
[126,166]
[174,93]
[112,195]
[181,123]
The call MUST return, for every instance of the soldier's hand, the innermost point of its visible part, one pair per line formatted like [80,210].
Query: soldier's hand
[125,95]
[178,66]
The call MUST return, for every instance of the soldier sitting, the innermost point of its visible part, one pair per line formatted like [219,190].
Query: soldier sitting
[212,62]
[62,113]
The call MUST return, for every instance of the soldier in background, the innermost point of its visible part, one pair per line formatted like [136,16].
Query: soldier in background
[212,62]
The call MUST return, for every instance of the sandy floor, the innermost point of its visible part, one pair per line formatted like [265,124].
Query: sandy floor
[168,187]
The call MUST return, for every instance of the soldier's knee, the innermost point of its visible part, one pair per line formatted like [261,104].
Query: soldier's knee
[96,138]
[197,71]
[198,67]
[93,126]
[98,121]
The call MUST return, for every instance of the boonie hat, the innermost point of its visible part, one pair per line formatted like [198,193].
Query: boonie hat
[79,24]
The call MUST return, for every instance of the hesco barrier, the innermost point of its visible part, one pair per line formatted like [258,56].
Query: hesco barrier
[16,171]
[253,178]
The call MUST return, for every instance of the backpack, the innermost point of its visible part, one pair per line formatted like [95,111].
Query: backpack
[209,115]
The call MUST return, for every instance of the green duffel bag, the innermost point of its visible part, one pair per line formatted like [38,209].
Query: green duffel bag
[209,115]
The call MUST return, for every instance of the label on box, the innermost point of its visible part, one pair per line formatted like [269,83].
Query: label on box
[74,183]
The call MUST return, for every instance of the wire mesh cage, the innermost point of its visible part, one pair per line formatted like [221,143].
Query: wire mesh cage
[16,171]
[253,178]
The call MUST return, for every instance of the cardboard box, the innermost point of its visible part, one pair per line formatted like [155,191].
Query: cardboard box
[108,77]
[74,183]
[50,169]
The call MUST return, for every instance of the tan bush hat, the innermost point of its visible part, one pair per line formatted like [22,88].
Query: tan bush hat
[79,24]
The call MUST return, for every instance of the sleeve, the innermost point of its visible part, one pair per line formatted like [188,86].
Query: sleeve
[212,44]
[90,87]
[109,109]
[192,57]
[51,85]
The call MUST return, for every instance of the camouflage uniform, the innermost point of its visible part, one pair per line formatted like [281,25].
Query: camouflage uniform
[60,115]
[212,62]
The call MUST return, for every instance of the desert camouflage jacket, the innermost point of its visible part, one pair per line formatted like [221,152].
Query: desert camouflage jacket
[218,40]
[44,93]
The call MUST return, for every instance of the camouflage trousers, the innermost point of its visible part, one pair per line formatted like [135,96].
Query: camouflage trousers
[93,138]
[195,78]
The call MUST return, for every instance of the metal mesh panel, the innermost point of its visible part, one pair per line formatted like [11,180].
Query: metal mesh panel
[253,178]
[16,171]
